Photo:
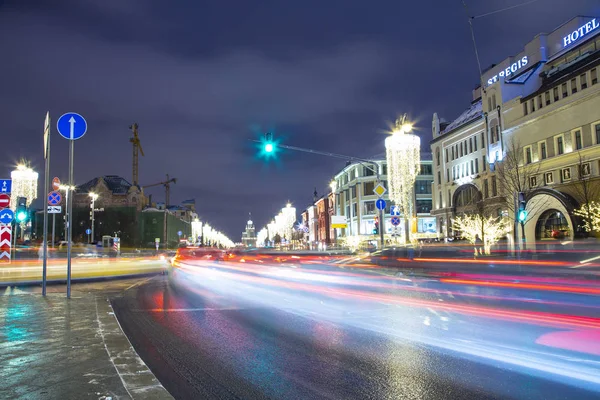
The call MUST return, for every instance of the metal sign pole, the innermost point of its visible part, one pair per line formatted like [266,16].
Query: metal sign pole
[46,183]
[70,226]
[53,227]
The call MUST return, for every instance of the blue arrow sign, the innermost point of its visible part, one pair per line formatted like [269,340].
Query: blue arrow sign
[88,231]
[395,210]
[380,204]
[71,126]
[395,221]
[179,233]
[5,186]
[6,216]
[54,198]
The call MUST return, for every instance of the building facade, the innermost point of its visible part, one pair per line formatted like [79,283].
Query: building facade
[539,113]
[249,235]
[354,199]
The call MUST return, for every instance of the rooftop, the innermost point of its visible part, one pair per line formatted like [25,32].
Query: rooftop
[472,113]
[115,183]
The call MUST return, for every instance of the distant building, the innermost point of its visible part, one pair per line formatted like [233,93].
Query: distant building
[249,235]
[112,191]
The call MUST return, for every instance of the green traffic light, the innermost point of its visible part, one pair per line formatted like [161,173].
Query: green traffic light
[21,216]
[522,215]
[269,148]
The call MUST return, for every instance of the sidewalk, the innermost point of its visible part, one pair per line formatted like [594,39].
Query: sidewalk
[55,348]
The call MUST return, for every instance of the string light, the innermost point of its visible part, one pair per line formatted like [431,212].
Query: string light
[403,153]
[24,184]
[474,226]
[591,216]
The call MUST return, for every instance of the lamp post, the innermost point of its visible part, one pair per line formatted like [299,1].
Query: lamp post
[403,160]
[94,196]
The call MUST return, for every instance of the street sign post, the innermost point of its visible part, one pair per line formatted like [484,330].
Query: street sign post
[55,183]
[71,126]
[47,131]
[5,242]
[157,243]
[379,190]
[395,211]
[4,201]
[54,209]
[395,220]
[380,204]
[7,216]
[5,185]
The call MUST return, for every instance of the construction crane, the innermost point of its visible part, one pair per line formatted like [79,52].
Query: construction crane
[137,149]
[167,185]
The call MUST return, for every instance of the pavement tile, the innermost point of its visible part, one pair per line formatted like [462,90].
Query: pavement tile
[59,348]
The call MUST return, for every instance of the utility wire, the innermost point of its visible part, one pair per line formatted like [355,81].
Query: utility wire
[503,9]
[474,43]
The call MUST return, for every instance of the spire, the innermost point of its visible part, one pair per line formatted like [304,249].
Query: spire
[315,195]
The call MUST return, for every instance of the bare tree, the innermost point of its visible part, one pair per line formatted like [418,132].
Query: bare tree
[586,190]
[518,172]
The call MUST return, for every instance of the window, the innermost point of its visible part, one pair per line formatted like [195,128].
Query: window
[594,76]
[449,198]
[475,142]
[565,174]
[583,80]
[540,101]
[355,210]
[494,101]
[532,105]
[564,90]
[447,175]
[486,189]
[439,178]
[477,165]
[472,169]
[484,163]
[528,155]
[573,85]
[585,169]
[543,150]
[489,103]
[452,153]
[446,154]
[461,150]
[549,178]
[369,208]
[368,188]
[426,169]
[440,203]
[597,130]
[384,169]
[437,156]
[547,98]
[560,146]
[578,142]
[368,171]
[353,191]
[555,93]
[423,206]
[532,181]
[494,187]
[483,139]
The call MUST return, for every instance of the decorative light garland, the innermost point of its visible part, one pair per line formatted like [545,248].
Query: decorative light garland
[591,216]
[474,226]
[403,153]
[24,184]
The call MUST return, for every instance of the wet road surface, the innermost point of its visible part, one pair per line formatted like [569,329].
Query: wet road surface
[229,331]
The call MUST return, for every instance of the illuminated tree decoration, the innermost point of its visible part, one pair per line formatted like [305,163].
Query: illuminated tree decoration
[403,153]
[472,228]
[591,216]
[24,184]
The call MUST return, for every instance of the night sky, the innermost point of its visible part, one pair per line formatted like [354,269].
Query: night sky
[202,77]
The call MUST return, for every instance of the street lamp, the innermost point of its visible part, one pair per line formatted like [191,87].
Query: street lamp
[403,160]
[94,196]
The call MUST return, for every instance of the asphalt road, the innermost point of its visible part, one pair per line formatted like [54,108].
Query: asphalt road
[230,331]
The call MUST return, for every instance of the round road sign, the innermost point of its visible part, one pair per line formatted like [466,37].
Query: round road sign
[4,201]
[55,183]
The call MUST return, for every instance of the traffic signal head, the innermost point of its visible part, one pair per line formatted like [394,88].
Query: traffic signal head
[268,146]
[522,215]
[21,215]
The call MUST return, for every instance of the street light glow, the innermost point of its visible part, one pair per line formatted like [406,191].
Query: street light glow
[269,147]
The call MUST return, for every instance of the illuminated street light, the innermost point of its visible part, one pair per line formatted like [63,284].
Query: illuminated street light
[403,160]
[24,184]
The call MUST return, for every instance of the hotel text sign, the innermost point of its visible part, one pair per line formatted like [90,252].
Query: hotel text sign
[510,70]
[580,32]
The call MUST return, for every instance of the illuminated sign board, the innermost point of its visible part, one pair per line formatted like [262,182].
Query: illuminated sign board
[580,32]
[510,70]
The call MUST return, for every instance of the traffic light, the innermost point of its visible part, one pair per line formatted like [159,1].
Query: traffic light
[376,226]
[268,145]
[21,213]
[522,213]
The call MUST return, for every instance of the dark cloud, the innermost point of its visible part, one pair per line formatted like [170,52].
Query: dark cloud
[204,77]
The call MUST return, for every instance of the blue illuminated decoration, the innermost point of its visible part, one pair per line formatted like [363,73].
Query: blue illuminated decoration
[580,32]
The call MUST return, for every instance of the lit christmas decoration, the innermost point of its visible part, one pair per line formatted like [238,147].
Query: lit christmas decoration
[24,184]
[591,216]
[282,226]
[403,151]
[487,229]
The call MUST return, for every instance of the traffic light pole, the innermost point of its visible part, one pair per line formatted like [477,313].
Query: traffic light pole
[374,167]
